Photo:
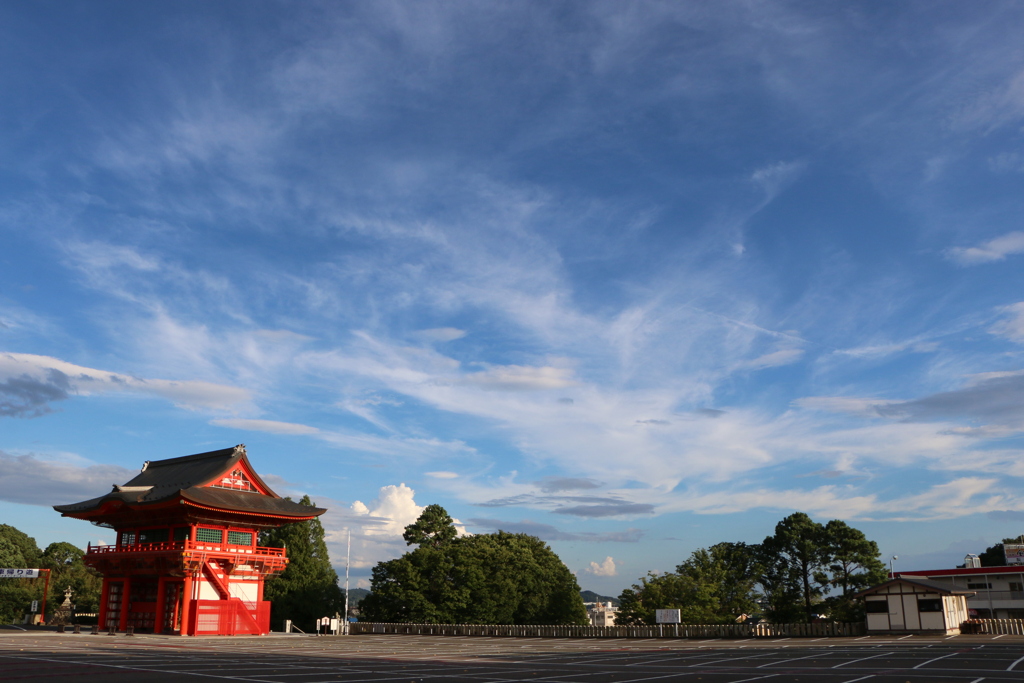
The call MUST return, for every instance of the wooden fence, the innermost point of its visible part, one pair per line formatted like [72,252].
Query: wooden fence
[761,630]
[995,627]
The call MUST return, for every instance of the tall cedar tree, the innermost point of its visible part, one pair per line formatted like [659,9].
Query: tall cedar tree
[308,588]
[497,578]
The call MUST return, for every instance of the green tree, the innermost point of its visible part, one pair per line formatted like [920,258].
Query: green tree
[854,563]
[433,528]
[67,569]
[714,585]
[728,572]
[794,559]
[17,550]
[308,588]
[499,578]
[995,556]
[639,604]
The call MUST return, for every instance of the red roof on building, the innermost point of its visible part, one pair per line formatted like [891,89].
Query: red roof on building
[966,571]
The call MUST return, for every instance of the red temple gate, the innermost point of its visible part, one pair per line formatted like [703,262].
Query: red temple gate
[186,559]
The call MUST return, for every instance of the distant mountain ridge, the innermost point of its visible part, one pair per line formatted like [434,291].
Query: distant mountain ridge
[355,595]
[591,596]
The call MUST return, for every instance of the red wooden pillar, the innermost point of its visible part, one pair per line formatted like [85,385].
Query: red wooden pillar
[161,606]
[186,606]
[126,597]
[104,598]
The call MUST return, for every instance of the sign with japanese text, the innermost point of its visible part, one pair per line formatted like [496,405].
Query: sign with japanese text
[19,573]
[1014,553]
[666,616]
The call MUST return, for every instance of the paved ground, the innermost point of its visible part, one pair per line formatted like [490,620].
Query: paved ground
[388,658]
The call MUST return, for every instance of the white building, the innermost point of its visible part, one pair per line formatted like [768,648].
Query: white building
[998,591]
[601,613]
[914,605]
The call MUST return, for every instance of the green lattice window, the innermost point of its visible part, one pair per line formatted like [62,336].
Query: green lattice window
[240,538]
[209,535]
[127,538]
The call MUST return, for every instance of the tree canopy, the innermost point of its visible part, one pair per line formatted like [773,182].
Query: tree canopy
[714,585]
[803,568]
[499,578]
[64,560]
[308,588]
[434,528]
[995,555]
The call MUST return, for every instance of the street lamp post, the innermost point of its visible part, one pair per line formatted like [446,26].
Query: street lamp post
[892,573]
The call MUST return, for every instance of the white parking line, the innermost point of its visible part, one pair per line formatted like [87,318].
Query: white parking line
[952,654]
[787,661]
[854,661]
[1010,668]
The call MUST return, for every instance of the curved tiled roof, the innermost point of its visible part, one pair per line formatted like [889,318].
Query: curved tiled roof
[189,477]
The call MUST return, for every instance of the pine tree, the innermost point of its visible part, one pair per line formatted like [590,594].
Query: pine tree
[308,588]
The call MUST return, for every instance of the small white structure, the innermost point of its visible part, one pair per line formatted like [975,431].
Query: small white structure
[913,605]
[601,614]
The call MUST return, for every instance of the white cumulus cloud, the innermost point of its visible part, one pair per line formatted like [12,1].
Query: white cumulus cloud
[606,568]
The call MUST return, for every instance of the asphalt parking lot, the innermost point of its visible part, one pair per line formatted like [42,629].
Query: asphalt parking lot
[297,659]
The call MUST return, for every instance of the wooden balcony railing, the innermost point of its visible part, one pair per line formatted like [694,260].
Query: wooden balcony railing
[181,546]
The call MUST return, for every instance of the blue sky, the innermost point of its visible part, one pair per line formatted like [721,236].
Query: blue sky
[634,277]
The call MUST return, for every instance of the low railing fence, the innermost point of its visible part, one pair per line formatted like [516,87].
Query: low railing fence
[995,627]
[761,630]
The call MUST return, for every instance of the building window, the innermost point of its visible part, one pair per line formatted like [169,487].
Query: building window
[154,536]
[209,535]
[929,605]
[1017,587]
[877,606]
[239,538]
[127,538]
[182,533]
[979,586]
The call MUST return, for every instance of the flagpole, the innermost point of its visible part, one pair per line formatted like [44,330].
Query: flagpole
[348,558]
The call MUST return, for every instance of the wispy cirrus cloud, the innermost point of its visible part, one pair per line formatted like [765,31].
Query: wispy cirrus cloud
[31,480]
[547,532]
[996,249]
[31,383]
[1012,324]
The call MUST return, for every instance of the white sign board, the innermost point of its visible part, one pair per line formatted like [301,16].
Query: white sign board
[666,616]
[1014,553]
[19,573]
[35,607]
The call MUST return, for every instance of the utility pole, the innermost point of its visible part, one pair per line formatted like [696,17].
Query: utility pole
[348,558]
